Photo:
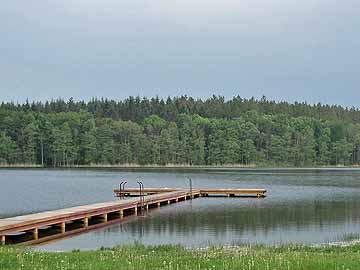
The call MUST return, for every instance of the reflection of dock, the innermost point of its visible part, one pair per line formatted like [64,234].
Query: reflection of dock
[51,225]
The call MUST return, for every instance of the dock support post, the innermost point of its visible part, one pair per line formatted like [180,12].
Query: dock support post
[63,227]
[177,200]
[86,222]
[158,204]
[121,213]
[3,239]
[147,207]
[36,233]
[169,202]
[105,217]
[135,211]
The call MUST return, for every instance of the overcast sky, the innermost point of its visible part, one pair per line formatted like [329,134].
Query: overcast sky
[284,49]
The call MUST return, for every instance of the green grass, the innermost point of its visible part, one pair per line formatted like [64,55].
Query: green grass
[172,257]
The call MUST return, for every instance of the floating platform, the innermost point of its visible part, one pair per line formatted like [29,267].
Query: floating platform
[52,225]
[203,192]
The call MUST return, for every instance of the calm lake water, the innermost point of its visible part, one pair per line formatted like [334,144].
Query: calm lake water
[303,206]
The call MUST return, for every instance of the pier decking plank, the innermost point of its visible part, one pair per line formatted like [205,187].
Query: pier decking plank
[203,191]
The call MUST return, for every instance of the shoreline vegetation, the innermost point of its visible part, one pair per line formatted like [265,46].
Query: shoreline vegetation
[174,167]
[137,257]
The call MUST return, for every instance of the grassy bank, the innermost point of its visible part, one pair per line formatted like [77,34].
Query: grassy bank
[172,257]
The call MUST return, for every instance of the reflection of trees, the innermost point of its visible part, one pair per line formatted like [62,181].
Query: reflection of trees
[246,220]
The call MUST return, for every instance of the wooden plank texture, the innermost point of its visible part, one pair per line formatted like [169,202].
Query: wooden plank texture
[217,191]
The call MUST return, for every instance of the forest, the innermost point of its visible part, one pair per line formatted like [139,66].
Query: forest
[178,131]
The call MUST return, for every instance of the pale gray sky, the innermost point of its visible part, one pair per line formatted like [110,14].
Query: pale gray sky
[284,49]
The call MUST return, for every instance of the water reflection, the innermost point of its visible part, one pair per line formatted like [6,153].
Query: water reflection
[247,220]
[197,225]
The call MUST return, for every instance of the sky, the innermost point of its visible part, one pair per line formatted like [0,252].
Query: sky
[290,50]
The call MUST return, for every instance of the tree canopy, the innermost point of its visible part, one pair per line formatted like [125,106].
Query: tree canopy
[179,130]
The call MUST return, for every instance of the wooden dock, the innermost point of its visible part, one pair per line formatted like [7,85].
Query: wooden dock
[260,193]
[51,225]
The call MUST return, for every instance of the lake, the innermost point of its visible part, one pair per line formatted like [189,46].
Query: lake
[303,206]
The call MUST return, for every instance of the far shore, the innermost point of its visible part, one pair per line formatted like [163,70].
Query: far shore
[175,167]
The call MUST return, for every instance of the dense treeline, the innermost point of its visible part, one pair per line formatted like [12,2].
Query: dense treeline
[179,131]
[137,109]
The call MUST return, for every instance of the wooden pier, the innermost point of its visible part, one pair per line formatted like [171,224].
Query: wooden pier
[52,225]
[260,193]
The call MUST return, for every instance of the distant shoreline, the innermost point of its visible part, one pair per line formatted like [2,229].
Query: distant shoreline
[176,167]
